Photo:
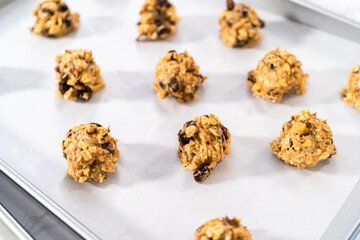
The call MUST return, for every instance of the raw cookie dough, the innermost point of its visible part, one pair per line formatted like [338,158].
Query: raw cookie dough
[304,141]
[158,20]
[78,75]
[239,25]
[90,152]
[279,72]
[203,142]
[352,93]
[222,229]
[177,75]
[54,19]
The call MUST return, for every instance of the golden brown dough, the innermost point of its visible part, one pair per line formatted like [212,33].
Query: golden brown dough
[78,75]
[304,141]
[177,75]
[278,73]
[222,229]
[54,19]
[203,142]
[158,20]
[90,152]
[352,93]
[239,25]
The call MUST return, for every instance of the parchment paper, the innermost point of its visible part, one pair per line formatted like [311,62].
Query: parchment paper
[151,196]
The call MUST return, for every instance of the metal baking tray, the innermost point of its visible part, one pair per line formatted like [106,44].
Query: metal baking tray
[35,215]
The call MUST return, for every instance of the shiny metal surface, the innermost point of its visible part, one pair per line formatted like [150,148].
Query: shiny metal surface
[36,213]
[312,15]
[346,224]
[15,230]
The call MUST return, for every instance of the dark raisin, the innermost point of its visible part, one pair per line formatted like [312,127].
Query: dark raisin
[225,132]
[63,87]
[108,146]
[332,141]
[57,68]
[138,23]
[251,78]
[245,11]
[158,21]
[174,84]
[190,123]
[81,94]
[68,20]
[171,51]
[291,143]
[44,32]
[230,4]
[202,172]
[183,139]
[262,23]
[241,43]
[163,31]
[64,77]
[97,124]
[65,155]
[63,7]
[229,24]
[162,85]
[308,124]
[272,66]
[163,3]
[45,10]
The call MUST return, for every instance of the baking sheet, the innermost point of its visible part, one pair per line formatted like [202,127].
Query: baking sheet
[150,196]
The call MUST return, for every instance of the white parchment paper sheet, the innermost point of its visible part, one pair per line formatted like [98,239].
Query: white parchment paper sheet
[151,196]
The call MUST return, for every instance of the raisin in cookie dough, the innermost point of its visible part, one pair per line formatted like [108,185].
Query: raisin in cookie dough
[78,75]
[278,73]
[177,75]
[352,93]
[90,152]
[304,141]
[222,229]
[203,142]
[158,20]
[54,19]
[239,25]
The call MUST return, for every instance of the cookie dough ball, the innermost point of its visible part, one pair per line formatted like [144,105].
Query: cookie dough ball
[54,19]
[239,25]
[90,152]
[222,229]
[177,75]
[279,72]
[304,141]
[158,20]
[78,75]
[352,93]
[203,142]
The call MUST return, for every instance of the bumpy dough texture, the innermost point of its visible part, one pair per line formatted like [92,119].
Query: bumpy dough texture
[177,75]
[304,141]
[239,25]
[78,75]
[352,93]
[278,73]
[54,19]
[158,19]
[222,229]
[203,142]
[90,152]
